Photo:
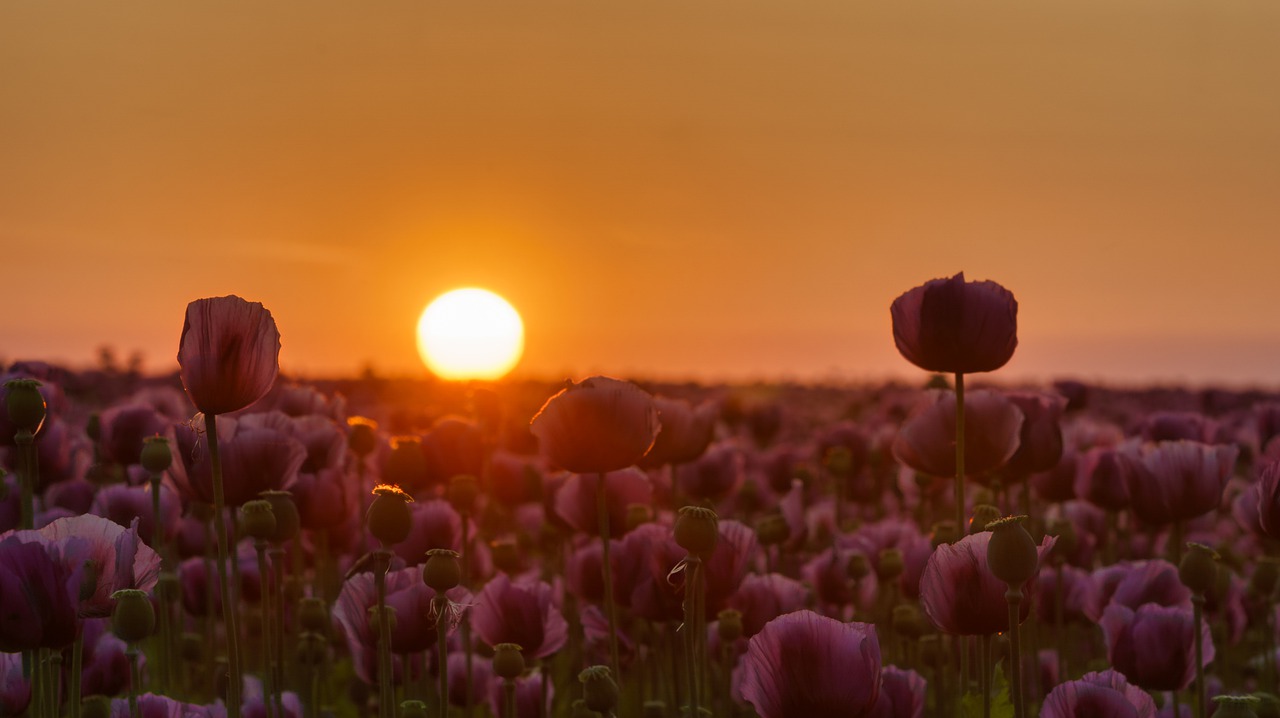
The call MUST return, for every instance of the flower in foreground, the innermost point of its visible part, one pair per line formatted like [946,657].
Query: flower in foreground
[1153,646]
[1098,695]
[229,353]
[805,664]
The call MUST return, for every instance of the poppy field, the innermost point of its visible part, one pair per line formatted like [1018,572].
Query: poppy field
[227,541]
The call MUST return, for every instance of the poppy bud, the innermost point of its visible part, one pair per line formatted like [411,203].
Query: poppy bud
[891,565]
[508,661]
[1199,568]
[413,709]
[1236,706]
[313,615]
[944,532]
[25,404]
[442,570]
[772,530]
[363,437]
[598,689]
[697,530]
[858,567]
[462,493]
[156,456]
[638,515]
[1012,555]
[389,518]
[134,618]
[955,326]
[258,520]
[288,523]
[983,515]
[730,625]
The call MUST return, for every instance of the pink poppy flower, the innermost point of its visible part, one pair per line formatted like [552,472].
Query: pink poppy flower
[1179,480]
[256,457]
[481,678]
[685,433]
[105,665]
[1136,583]
[124,427]
[123,504]
[1040,440]
[15,690]
[40,597]
[596,425]
[901,694]
[454,446]
[522,613]
[761,599]
[576,499]
[713,476]
[528,695]
[960,594]
[927,440]
[1266,493]
[229,353]
[1154,646]
[804,664]
[1098,695]
[954,326]
[1102,477]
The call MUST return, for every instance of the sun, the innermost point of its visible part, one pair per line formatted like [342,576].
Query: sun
[470,334]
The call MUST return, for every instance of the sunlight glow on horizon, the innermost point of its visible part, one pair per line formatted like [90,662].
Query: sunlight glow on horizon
[470,333]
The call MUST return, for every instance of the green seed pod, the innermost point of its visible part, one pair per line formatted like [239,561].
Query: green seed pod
[462,493]
[772,530]
[983,515]
[697,530]
[1198,568]
[944,532]
[930,652]
[156,456]
[363,436]
[258,520]
[638,515]
[1268,705]
[1236,706]
[313,615]
[389,518]
[579,709]
[508,661]
[655,709]
[599,689]
[907,621]
[442,571]
[1011,555]
[134,618]
[413,709]
[1067,539]
[891,565]
[312,650]
[858,567]
[288,522]
[25,404]
[192,647]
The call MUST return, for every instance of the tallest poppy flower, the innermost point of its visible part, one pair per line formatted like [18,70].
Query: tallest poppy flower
[956,327]
[229,353]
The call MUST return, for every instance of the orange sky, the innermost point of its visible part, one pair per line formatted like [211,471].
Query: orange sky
[720,188]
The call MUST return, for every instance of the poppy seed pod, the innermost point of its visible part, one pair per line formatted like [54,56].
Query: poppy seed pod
[1199,568]
[697,530]
[599,689]
[413,709]
[462,493]
[312,614]
[508,661]
[25,404]
[579,709]
[134,618]
[1012,554]
[362,438]
[442,571]
[858,567]
[1236,706]
[955,326]
[192,647]
[638,515]
[258,520]
[891,565]
[906,621]
[288,522]
[655,709]
[156,456]
[729,625]
[772,530]
[389,518]
[944,532]
[983,515]
[312,649]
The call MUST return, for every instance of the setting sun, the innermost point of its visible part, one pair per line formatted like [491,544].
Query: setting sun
[470,334]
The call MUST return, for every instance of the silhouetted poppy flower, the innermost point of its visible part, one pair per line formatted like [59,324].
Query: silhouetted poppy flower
[124,427]
[522,613]
[1040,440]
[39,598]
[1136,583]
[452,447]
[1179,480]
[1098,695]
[229,353]
[1154,646]
[596,425]
[686,431]
[714,475]
[954,326]
[901,694]
[961,595]
[1102,478]
[805,664]
[927,440]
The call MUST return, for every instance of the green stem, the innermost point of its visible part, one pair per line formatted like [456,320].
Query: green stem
[611,610]
[277,566]
[466,620]
[77,659]
[229,612]
[441,606]
[26,479]
[984,680]
[1059,598]
[382,560]
[1014,597]
[132,654]
[509,697]
[1197,607]
[268,673]
[1177,705]
[692,587]
[1175,539]
[960,523]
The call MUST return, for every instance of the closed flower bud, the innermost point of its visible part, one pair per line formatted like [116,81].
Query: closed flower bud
[697,530]
[730,625]
[944,532]
[772,530]
[508,661]
[288,522]
[983,515]
[413,709]
[1236,706]
[1012,554]
[258,520]
[442,571]
[858,567]
[134,618]
[1199,568]
[462,493]
[598,689]
[638,515]
[389,518]
[313,615]
[363,436]
[25,405]
[156,456]
[891,565]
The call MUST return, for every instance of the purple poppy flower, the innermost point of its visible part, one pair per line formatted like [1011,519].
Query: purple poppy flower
[15,690]
[685,433]
[1136,583]
[961,595]
[1098,695]
[954,326]
[229,353]
[713,476]
[576,499]
[927,440]
[453,447]
[528,695]
[522,613]
[901,694]
[1179,480]
[105,665]
[1102,478]
[124,427]
[804,664]
[40,597]
[597,425]
[481,678]
[1154,646]
[123,504]
[255,458]
[761,599]
[1040,440]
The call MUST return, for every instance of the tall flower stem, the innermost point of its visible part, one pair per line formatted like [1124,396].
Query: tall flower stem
[1197,608]
[692,591]
[508,698]
[277,566]
[1014,597]
[268,628]
[381,562]
[610,608]
[984,667]
[236,681]
[960,453]
[134,679]
[466,618]
[167,654]
[440,604]
[77,660]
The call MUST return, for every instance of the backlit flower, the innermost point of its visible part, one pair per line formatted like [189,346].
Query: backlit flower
[954,326]
[599,424]
[229,353]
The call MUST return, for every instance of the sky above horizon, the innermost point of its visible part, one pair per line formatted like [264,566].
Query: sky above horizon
[710,190]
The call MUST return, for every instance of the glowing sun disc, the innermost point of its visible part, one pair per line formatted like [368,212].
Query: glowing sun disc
[470,334]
